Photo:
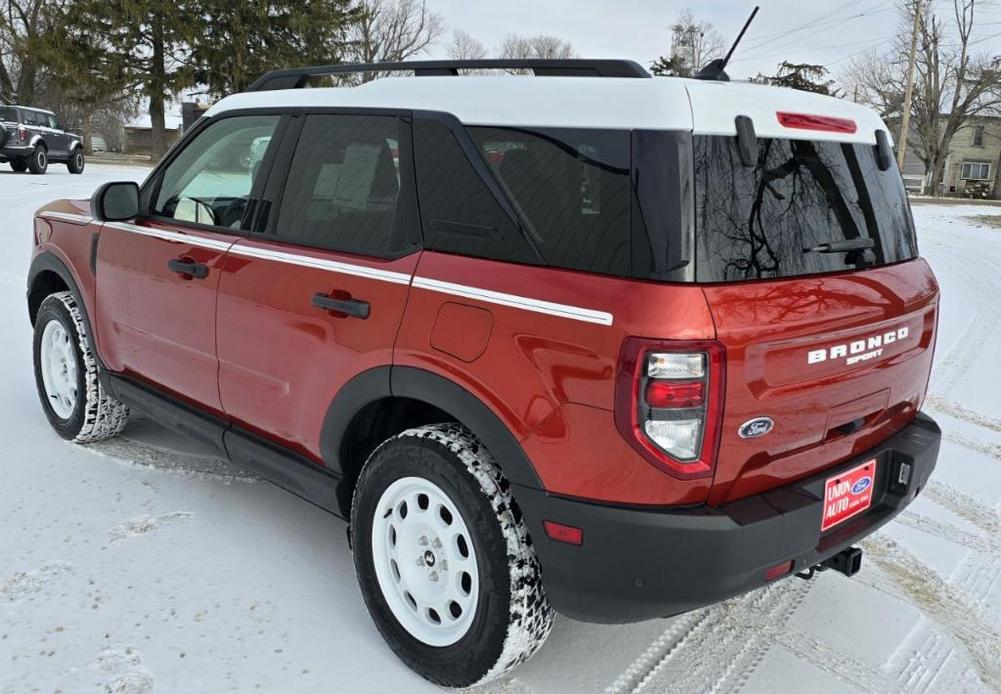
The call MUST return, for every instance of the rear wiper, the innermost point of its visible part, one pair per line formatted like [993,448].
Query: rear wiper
[846,246]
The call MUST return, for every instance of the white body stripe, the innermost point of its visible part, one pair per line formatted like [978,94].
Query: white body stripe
[321,264]
[67,217]
[548,308]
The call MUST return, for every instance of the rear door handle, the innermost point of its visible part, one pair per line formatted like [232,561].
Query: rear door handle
[192,269]
[349,307]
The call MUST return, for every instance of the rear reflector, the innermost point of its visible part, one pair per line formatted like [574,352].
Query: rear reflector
[564,533]
[827,124]
[778,571]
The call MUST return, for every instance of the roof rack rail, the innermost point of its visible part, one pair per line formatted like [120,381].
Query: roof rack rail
[297,78]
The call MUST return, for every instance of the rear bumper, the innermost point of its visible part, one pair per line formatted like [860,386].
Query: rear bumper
[13,152]
[641,564]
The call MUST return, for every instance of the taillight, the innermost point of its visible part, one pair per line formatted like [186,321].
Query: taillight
[827,124]
[22,134]
[669,401]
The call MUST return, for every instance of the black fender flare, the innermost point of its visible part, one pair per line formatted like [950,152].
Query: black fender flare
[438,391]
[49,262]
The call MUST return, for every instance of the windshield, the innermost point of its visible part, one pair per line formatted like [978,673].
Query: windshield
[8,114]
[776,219]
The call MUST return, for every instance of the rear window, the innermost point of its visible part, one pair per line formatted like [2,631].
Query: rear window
[8,114]
[767,220]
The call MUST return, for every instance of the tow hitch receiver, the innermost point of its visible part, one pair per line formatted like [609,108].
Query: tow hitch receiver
[847,562]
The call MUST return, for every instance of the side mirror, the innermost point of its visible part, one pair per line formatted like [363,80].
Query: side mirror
[115,202]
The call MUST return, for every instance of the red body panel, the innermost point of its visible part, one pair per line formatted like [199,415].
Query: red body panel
[70,242]
[551,379]
[282,360]
[769,328]
[154,323]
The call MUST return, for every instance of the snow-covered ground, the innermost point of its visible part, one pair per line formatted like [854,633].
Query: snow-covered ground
[145,565]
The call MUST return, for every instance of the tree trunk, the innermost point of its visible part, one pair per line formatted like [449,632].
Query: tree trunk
[157,87]
[937,174]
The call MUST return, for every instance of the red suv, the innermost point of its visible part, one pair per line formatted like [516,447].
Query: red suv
[615,346]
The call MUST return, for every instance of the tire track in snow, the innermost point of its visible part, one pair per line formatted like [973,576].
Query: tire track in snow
[957,411]
[948,607]
[991,450]
[738,634]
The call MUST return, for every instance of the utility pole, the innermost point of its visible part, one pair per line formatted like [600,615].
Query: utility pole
[905,120]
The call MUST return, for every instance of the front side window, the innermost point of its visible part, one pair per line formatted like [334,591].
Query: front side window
[210,181]
[773,219]
[343,190]
[572,188]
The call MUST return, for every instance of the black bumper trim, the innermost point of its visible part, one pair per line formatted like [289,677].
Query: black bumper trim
[638,564]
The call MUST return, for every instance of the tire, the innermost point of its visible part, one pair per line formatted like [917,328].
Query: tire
[4,135]
[38,162]
[76,161]
[507,616]
[19,165]
[75,402]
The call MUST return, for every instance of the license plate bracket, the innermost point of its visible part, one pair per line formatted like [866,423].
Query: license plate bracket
[848,494]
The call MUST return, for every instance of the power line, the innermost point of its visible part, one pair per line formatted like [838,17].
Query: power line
[826,20]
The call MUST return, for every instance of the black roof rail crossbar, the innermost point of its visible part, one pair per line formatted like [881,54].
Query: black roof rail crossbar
[297,78]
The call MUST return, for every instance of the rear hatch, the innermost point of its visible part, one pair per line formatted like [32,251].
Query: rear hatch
[808,260]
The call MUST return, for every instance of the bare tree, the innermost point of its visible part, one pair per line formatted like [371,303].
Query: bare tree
[694,44]
[465,47]
[953,83]
[542,46]
[392,31]
[21,22]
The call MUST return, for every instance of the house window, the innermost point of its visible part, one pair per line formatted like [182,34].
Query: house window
[978,136]
[976,171]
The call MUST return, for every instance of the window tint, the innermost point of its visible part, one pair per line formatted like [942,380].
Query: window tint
[343,187]
[211,179]
[763,221]
[573,189]
[459,213]
[53,123]
[8,114]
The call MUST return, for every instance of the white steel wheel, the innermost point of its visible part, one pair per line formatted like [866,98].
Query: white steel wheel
[425,561]
[59,368]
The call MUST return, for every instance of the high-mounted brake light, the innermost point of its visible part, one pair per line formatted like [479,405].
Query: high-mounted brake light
[827,124]
[668,403]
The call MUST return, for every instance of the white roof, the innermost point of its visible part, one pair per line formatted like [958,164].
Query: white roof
[583,102]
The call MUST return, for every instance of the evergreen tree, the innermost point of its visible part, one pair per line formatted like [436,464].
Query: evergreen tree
[239,40]
[802,76]
[104,48]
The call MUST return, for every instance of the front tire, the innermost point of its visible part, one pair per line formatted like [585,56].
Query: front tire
[444,559]
[76,161]
[74,401]
[38,162]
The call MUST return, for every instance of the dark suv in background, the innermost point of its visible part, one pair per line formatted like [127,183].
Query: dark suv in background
[31,137]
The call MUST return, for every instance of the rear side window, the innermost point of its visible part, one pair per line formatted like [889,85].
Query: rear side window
[459,212]
[343,187]
[766,221]
[572,188]
[8,114]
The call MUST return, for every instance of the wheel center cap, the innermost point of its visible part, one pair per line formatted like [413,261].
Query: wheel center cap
[429,558]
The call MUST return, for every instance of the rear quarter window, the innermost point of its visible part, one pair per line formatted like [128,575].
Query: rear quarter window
[760,222]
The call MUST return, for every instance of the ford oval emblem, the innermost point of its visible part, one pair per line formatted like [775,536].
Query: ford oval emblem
[862,485]
[756,427]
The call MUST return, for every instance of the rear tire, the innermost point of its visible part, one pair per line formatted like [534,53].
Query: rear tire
[456,590]
[75,402]
[38,162]
[76,161]
[19,165]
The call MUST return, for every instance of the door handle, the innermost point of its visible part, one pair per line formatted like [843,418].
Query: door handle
[349,307]
[192,269]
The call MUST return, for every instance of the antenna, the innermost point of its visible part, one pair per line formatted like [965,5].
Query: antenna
[716,70]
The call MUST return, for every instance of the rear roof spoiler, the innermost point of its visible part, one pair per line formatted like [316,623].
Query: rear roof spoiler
[297,78]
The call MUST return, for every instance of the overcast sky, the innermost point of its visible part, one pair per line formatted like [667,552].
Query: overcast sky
[826,32]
